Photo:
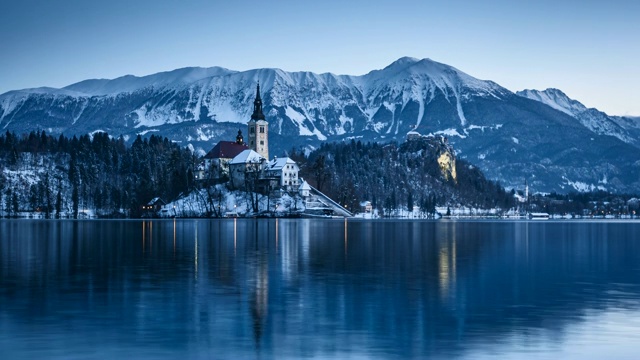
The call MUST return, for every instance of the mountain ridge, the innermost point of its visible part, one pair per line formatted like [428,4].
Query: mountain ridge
[510,136]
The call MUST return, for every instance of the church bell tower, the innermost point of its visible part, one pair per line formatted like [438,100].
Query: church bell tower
[259,128]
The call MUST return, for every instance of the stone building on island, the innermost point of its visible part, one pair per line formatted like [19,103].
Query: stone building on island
[246,166]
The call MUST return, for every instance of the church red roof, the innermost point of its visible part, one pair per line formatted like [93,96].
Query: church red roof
[225,150]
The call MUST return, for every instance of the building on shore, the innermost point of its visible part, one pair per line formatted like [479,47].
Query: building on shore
[246,166]
[215,164]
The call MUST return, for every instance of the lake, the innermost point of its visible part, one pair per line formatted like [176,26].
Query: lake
[316,289]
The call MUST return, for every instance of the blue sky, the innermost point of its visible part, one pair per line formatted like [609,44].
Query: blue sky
[588,49]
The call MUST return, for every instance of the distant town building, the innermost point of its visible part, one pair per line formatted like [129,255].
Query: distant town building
[413,135]
[366,207]
[153,207]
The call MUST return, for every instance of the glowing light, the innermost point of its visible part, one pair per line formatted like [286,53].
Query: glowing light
[150,235]
[346,236]
[196,250]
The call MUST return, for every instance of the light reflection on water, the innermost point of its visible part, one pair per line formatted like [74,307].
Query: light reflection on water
[242,288]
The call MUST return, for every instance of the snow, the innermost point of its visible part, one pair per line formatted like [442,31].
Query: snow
[343,120]
[299,119]
[233,204]
[420,112]
[93,133]
[247,156]
[555,99]
[145,132]
[202,136]
[280,163]
[77,117]
[392,108]
[583,187]
[515,140]
[463,120]
[305,186]
[319,135]
[23,178]
[130,83]
[449,132]
[592,119]
[227,95]
[224,112]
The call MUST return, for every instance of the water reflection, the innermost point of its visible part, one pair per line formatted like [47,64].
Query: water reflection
[247,288]
[447,261]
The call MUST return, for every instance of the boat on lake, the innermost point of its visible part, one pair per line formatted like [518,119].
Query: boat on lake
[538,216]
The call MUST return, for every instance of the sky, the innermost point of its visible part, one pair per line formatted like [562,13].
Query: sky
[588,49]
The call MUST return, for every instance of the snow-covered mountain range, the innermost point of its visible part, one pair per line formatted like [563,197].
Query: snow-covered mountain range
[543,136]
[624,129]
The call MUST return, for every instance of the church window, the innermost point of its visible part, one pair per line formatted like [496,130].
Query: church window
[262,129]
[252,130]
[261,142]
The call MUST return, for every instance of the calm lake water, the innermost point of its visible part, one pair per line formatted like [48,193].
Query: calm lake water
[289,289]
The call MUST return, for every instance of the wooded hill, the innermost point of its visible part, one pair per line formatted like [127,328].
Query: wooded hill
[100,175]
[71,176]
[394,176]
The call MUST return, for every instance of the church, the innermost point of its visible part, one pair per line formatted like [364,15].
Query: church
[239,162]
[246,166]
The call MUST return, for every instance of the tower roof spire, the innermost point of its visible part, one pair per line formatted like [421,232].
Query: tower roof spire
[257,106]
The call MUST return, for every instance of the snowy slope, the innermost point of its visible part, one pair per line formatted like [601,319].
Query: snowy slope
[510,137]
[597,121]
[130,83]
[388,101]
[556,99]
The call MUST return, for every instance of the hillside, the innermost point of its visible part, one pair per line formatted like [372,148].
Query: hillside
[509,137]
[100,176]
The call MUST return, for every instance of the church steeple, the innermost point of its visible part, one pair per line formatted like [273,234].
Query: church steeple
[258,128]
[239,138]
[257,106]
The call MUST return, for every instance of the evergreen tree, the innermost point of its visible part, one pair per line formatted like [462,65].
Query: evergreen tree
[15,204]
[75,201]
[8,205]
[58,203]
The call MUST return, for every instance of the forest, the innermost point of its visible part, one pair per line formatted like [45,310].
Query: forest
[106,177]
[60,175]
[394,176]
